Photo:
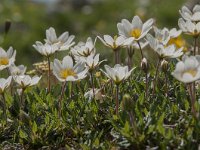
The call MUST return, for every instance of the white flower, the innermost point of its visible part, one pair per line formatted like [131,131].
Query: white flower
[116,42]
[7,58]
[4,84]
[193,15]
[84,49]
[153,42]
[136,29]
[25,81]
[17,70]
[92,61]
[174,33]
[64,40]
[189,27]
[169,51]
[97,92]
[143,44]
[162,35]
[188,70]
[66,71]
[163,51]
[46,49]
[118,73]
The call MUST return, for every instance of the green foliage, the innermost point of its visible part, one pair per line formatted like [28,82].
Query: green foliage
[157,122]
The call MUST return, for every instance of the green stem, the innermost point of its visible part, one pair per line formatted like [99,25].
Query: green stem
[117,100]
[92,83]
[195,45]
[60,100]
[4,107]
[142,55]
[116,53]
[147,86]
[49,74]
[192,98]
[166,85]
[130,56]
[22,99]
[156,76]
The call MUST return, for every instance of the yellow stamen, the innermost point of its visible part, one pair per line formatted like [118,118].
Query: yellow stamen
[4,61]
[136,33]
[192,72]
[178,42]
[66,73]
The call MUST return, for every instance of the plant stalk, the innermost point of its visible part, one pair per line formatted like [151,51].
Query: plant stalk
[60,99]
[4,107]
[49,74]
[117,100]
[142,55]
[156,76]
[92,83]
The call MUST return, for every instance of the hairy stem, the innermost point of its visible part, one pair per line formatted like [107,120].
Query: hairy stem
[147,86]
[117,100]
[156,76]
[140,50]
[92,83]
[195,45]
[49,74]
[166,85]
[192,98]
[60,99]
[22,103]
[4,107]
[116,53]
[130,56]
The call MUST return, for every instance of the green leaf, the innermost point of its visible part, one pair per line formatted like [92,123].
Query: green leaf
[34,127]
[22,134]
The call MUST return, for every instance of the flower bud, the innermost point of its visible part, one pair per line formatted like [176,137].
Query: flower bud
[164,65]
[131,51]
[144,65]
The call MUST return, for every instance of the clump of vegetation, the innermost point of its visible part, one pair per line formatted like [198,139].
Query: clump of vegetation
[75,103]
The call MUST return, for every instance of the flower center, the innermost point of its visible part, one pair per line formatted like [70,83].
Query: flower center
[136,33]
[192,72]
[66,73]
[178,41]
[4,61]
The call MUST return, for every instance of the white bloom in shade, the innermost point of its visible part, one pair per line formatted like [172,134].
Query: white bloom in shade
[64,40]
[4,84]
[162,35]
[163,51]
[92,61]
[189,27]
[174,33]
[46,49]
[118,73]
[116,42]
[25,81]
[143,44]
[153,42]
[169,51]
[188,70]
[97,92]
[17,70]
[193,15]
[7,58]
[66,71]
[135,29]
[84,49]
